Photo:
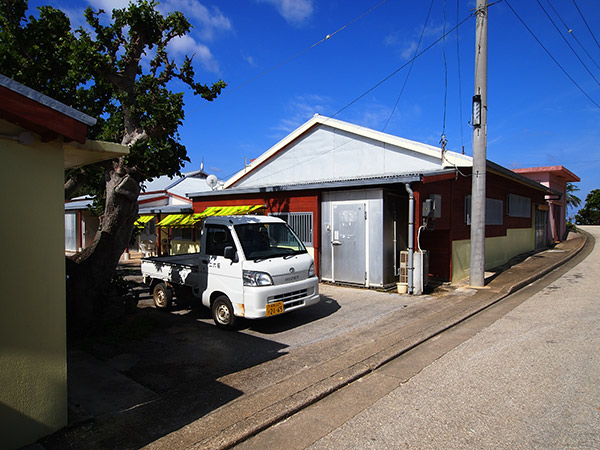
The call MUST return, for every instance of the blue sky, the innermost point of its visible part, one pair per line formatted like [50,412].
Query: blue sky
[537,115]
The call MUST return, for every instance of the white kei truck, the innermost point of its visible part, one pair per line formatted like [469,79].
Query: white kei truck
[248,266]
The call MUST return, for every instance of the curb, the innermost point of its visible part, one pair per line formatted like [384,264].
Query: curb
[249,415]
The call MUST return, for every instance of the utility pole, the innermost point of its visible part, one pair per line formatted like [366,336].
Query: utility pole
[479,122]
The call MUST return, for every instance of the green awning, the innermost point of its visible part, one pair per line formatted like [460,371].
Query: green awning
[189,220]
[142,221]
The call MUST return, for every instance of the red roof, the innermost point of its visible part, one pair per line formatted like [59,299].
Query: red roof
[559,171]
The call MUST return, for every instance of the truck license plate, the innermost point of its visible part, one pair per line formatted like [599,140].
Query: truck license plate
[274,308]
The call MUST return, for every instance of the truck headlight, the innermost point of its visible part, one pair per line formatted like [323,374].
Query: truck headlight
[252,278]
[311,270]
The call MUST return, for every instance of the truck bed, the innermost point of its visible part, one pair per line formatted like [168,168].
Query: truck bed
[176,269]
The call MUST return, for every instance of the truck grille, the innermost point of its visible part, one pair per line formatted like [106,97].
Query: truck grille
[292,296]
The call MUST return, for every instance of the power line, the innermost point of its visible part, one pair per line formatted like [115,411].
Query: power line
[445,75]
[375,87]
[401,67]
[550,55]
[570,31]
[301,52]
[462,139]
[411,65]
[567,42]
[586,24]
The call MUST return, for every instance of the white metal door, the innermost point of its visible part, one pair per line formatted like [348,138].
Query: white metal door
[349,242]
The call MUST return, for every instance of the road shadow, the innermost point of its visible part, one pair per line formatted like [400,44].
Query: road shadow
[177,358]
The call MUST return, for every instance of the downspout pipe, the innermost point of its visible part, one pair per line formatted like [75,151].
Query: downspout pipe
[411,237]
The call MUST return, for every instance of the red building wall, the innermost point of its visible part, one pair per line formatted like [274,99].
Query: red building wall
[451,226]
[275,202]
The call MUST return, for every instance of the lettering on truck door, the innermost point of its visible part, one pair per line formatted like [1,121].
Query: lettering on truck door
[222,274]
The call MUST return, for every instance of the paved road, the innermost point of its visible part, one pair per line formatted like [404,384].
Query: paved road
[529,380]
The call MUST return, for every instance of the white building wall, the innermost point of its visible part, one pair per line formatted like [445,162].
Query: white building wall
[326,154]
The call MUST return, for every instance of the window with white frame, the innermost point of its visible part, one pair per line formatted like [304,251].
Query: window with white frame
[518,206]
[301,223]
[493,211]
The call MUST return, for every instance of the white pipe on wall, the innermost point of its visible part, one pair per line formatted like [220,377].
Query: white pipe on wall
[411,238]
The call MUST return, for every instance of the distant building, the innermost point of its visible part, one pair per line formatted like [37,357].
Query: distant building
[160,197]
[556,178]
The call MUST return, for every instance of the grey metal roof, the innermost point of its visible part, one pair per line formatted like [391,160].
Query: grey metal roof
[166,209]
[521,178]
[79,203]
[325,184]
[45,100]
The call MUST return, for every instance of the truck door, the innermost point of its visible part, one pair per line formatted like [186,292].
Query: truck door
[217,272]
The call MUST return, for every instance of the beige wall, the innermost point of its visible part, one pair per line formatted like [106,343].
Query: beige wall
[498,250]
[179,247]
[33,372]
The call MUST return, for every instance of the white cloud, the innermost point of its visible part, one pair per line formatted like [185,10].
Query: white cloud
[294,12]
[373,115]
[108,5]
[301,109]
[406,46]
[206,21]
[187,45]
[409,51]
[250,60]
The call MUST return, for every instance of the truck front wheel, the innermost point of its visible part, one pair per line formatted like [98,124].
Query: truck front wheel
[162,295]
[222,313]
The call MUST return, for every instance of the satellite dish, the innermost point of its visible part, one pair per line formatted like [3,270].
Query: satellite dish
[212,181]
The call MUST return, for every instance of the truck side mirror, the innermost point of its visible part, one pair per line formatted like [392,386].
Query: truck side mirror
[230,253]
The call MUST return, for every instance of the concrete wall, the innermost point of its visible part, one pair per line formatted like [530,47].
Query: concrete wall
[498,250]
[33,368]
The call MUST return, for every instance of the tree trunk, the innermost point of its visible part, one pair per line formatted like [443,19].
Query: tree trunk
[90,271]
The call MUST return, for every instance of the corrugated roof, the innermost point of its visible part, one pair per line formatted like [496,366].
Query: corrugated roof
[324,184]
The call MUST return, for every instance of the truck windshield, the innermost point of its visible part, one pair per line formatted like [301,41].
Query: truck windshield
[268,240]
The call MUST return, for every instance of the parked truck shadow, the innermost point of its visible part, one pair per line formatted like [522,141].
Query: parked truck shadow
[181,358]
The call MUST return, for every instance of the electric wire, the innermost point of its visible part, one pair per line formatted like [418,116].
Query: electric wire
[411,65]
[550,55]
[429,47]
[570,31]
[296,55]
[567,42]
[445,74]
[462,138]
[370,90]
[586,24]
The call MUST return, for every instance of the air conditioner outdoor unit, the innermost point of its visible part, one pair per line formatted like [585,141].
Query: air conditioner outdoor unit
[421,270]
[403,267]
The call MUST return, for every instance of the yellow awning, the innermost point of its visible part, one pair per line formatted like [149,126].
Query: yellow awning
[173,220]
[142,221]
[189,220]
[229,210]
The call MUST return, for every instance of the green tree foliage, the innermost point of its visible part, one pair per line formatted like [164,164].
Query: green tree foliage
[117,70]
[590,213]
[572,200]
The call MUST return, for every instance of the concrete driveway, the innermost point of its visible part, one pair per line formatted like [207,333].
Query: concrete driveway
[174,379]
